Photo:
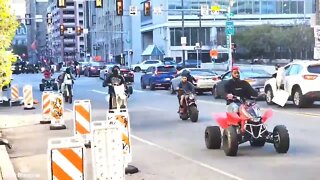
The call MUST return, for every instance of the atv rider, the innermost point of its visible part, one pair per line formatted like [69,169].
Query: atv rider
[113,79]
[237,87]
[186,86]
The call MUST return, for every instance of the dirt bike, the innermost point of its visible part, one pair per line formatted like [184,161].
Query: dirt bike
[189,107]
[248,124]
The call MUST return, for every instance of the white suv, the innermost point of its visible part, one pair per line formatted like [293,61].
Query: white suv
[144,65]
[301,82]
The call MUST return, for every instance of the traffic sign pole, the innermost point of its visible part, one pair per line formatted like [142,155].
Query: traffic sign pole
[229,33]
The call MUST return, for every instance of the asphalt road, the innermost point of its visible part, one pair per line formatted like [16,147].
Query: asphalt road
[165,147]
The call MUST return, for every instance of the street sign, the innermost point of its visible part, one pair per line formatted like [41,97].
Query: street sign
[317,36]
[157,10]
[39,18]
[133,10]
[215,8]
[229,28]
[183,41]
[204,10]
[316,53]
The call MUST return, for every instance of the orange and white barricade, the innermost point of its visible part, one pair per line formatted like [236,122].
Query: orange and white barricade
[28,97]
[82,119]
[107,156]
[46,107]
[122,119]
[15,93]
[66,159]
[57,112]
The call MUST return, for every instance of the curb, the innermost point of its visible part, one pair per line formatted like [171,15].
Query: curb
[6,167]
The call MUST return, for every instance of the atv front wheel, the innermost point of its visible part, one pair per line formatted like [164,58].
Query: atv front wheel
[230,141]
[281,139]
[184,116]
[212,137]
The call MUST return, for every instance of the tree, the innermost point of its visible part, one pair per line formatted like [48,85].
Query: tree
[8,26]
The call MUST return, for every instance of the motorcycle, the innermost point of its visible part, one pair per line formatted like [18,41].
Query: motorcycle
[248,124]
[189,107]
[67,92]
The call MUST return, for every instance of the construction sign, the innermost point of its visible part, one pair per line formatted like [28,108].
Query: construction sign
[214,54]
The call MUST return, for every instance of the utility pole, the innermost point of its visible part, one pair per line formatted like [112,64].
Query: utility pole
[183,51]
[317,12]
[200,27]
[316,51]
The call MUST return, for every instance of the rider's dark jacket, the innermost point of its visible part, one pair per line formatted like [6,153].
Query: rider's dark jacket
[239,88]
[187,87]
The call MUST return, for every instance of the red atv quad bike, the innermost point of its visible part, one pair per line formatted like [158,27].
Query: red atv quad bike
[246,125]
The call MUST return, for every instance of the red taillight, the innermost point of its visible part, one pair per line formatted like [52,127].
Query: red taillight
[310,77]
[215,78]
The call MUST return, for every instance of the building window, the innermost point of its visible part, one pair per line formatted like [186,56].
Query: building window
[81,38]
[81,22]
[69,4]
[80,13]
[80,5]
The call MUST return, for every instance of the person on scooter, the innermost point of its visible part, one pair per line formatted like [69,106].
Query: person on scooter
[113,79]
[237,87]
[186,86]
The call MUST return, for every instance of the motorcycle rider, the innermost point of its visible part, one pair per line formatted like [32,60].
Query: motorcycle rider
[68,80]
[113,79]
[189,76]
[237,87]
[186,86]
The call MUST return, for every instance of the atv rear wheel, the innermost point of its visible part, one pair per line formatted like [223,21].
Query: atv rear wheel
[193,113]
[230,141]
[212,137]
[281,139]
[258,142]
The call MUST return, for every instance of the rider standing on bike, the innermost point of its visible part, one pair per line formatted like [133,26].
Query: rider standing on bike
[237,87]
[186,86]
[114,79]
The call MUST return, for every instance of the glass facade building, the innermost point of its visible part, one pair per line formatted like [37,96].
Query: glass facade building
[247,6]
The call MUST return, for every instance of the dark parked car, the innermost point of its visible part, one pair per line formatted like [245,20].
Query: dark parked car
[256,78]
[190,63]
[93,69]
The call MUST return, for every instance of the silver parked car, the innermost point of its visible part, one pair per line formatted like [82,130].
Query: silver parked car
[205,79]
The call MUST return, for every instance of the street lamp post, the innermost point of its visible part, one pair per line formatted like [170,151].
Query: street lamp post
[183,52]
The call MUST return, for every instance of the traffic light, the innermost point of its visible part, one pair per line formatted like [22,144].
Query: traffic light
[147,8]
[119,7]
[79,30]
[61,30]
[49,18]
[61,3]
[99,3]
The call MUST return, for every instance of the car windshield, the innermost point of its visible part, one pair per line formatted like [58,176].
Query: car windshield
[167,69]
[314,69]
[254,73]
[97,64]
[202,72]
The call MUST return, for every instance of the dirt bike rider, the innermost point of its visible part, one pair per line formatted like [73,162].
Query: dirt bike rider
[186,86]
[237,87]
[68,79]
[114,78]
[190,78]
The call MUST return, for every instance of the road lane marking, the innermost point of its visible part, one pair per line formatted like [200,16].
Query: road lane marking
[186,158]
[97,91]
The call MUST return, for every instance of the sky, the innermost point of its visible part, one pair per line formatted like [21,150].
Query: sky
[19,7]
